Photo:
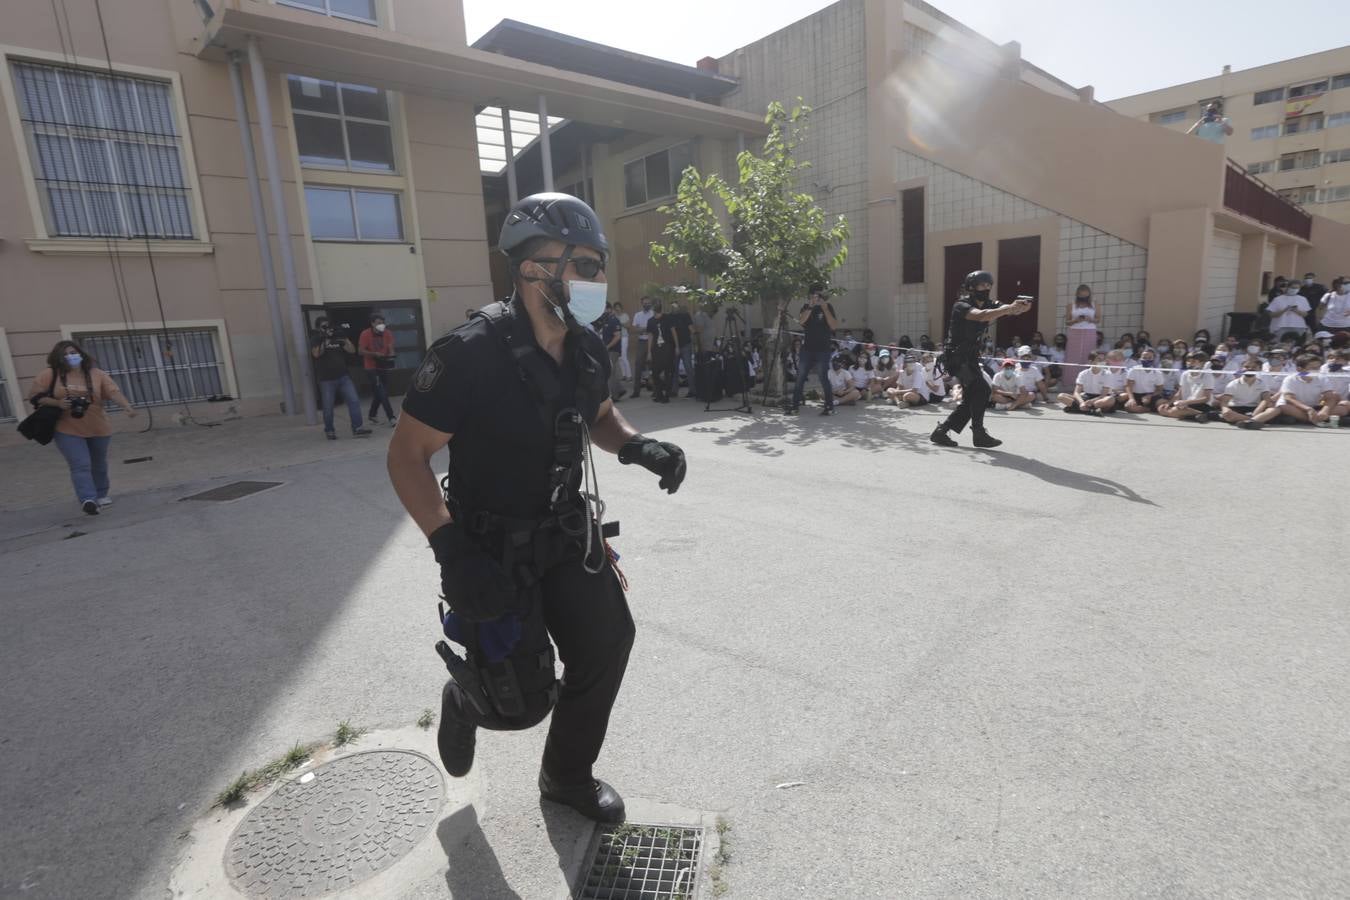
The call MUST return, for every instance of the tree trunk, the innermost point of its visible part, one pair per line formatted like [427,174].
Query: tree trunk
[774,376]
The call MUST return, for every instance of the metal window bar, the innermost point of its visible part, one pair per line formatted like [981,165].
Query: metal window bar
[155,370]
[106,153]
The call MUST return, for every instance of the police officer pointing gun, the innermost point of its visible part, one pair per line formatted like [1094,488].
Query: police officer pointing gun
[519,394]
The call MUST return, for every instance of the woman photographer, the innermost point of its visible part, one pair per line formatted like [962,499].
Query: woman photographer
[73,383]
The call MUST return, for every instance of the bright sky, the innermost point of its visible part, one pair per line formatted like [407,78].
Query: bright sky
[1121,48]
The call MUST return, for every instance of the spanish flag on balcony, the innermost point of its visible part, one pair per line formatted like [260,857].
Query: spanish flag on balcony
[1299,106]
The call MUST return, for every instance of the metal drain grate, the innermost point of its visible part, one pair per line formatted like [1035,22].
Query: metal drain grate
[642,862]
[234,491]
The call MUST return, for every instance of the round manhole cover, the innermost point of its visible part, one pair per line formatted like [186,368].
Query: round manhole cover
[358,816]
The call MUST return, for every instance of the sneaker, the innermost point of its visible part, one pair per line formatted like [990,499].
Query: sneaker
[103,502]
[393,422]
[1002,407]
[942,437]
[1326,424]
[827,411]
[360,432]
[90,507]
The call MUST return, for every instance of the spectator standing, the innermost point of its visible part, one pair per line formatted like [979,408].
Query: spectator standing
[1213,125]
[818,324]
[1313,291]
[376,346]
[705,328]
[1333,309]
[611,335]
[330,350]
[641,353]
[682,326]
[625,321]
[1081,321]
[662,346]
[1288,313]
[73,383]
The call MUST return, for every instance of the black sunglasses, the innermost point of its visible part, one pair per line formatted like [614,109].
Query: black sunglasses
[586,266]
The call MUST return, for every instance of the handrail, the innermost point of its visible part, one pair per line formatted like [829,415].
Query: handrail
[1255,199]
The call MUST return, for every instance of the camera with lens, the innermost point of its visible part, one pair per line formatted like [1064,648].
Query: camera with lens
[78,406]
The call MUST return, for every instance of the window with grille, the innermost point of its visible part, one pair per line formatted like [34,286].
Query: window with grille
[342,126]
[156,368]
[355,10]
[106,153]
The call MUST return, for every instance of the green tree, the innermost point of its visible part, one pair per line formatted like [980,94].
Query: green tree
[774,241]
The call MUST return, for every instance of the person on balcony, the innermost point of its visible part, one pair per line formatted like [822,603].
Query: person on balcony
[1213,126]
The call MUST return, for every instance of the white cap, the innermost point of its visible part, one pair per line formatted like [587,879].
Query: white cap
[1024,350]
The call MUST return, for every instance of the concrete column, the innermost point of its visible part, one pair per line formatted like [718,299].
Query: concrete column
[1249,273]
[299,333]
[1286,260]
[264,245]
[545,151]
[512,192]
[1178,261]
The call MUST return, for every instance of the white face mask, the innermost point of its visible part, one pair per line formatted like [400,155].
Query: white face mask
[586,300]
[1253,350]
[379,329]
[1343,289]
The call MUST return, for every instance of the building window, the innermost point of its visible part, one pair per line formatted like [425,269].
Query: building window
[1303,124]
[656,176]
[1172,116]
[1334,194]
[344,126]
[355,10]
[1336,156]
[1261,168]
[106,153]
[161,367]
[911,236]
[580,190]
[353,214]
[1340,81]
[1308,159]
[1305,194]
[1337,119]
[1274,95]
[1310,89]
[1265,131]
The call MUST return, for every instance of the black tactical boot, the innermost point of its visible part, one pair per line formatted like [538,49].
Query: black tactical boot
[985,440]
[594,799]
[941,437]
[456,737]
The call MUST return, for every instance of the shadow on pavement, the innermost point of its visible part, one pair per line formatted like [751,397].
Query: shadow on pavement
[566,829]
[1078,481]
[473,871]
[871,428]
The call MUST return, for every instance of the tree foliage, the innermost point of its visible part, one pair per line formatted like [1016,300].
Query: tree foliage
[774,241]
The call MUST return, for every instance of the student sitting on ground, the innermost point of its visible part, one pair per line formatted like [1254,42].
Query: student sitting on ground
[885,377]
[1337,401]
[1092,392]
[1303,397]
[1029,375]
[1195,391]
[1244,401]
[1008,392]
[1143,384]
[913,388]
[861,372]
[841,382]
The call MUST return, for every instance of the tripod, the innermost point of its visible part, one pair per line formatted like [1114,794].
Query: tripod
[733,361]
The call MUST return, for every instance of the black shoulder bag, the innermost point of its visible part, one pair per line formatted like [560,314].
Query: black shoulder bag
[40,425]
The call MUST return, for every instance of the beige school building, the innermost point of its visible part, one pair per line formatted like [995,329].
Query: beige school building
[374,152]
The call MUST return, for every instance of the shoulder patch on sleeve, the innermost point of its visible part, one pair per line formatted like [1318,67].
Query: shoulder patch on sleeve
[426,376]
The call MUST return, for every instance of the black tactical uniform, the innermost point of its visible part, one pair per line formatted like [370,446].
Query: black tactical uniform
[961,358]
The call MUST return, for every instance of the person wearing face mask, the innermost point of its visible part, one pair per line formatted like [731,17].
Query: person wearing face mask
[1333,309]
[1313,291]
[1195,391]
[330,348]
[376,345]
[520,396]
[1143,384]
[1337,398]
[1008,391]
[1288,313]
[1081,319]
[842,387]
[73,384]
[625,323]
[1030,378]
[1092,394]
[971,315]
[1058,352]
[1244,400]
[641,350]
[1304,396]
[1168,365]
[818,322]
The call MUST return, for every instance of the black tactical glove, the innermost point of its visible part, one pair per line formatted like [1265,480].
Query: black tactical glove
[657,457]
[473,584]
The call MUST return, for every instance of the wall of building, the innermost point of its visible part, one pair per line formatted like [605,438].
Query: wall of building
[819,59]
[1221,280]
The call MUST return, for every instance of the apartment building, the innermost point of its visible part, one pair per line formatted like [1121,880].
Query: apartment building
[188,202]
[1291,124]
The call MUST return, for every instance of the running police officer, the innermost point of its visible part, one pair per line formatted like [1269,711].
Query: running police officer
[519,393]
[971,315]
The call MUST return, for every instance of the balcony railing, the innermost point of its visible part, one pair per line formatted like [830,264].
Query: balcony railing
[1251,197]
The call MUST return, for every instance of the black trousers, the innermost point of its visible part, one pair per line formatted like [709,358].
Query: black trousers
[975,393]
[663,360]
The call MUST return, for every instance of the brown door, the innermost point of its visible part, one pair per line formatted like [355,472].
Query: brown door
[959,261]
[1019,272]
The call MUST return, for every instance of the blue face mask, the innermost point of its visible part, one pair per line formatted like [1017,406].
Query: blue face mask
[586,300]
[1148,363]
[73,360]
[1335,367]
[1129,352]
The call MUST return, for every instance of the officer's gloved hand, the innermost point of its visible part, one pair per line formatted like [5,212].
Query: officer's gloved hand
[658,457]
[473,583]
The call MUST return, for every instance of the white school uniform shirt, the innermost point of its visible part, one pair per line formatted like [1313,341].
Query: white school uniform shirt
[1193,383]
[1307,390]
[1287,313]
[1028,378]
[1092,382]
[914,378]
[1055,354]
[861,377]
[1115,379]
[1337,316]
[932,384]
[1006,380]
[1286,368]
[1146,380]
[1339,382]
[840,380]
[640,321]
[1244,394]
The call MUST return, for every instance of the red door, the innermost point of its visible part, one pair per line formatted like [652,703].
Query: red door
[1019,272]
[959,261]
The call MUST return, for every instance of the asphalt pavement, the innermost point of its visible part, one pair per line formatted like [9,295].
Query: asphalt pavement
[1105,660]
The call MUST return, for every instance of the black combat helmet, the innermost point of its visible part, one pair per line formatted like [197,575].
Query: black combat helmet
[975,278]
[555,217]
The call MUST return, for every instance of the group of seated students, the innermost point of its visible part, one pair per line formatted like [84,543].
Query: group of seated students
[1249,383]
